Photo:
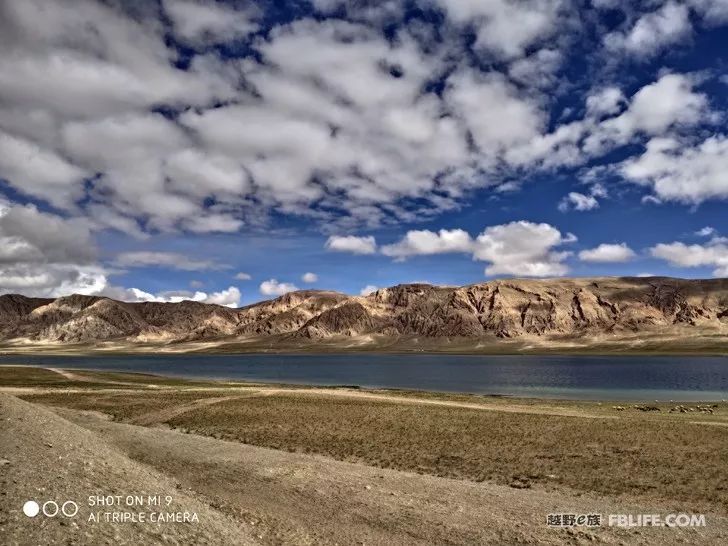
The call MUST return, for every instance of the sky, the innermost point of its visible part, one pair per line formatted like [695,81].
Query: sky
[233,151]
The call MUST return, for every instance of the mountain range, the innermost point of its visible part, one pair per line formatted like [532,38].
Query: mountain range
[629,314]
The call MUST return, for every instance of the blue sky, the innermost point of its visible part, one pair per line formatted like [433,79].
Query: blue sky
[229,152]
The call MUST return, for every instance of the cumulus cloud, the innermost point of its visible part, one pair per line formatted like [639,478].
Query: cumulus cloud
[507,118]
[523,249]
[352,244]
[241,276]
[505,28]
[40,172]
[424,242]
[606,101]
[670,105]
[368,289]
[328,119]
[30,235]
[229,297]
[518,248]
[655,108]
[652,32]
[52,280]
[675,172]
[713,12]
[578,201]
[93,120]
[309,277]
[713,254]
[272,287]
[607,253]
[353,124]
[43,254]
[170,260]
[205,22]
[707,231]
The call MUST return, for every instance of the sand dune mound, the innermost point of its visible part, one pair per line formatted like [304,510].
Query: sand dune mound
[44,457]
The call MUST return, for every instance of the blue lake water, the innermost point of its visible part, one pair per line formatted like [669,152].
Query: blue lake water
[678,378]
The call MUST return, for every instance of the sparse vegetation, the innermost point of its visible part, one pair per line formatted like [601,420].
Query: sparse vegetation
[650,455]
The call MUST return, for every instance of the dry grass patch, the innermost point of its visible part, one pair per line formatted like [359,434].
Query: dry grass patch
[641,456]
[122,406]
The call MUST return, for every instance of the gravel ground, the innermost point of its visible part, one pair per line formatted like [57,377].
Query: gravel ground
[45,457]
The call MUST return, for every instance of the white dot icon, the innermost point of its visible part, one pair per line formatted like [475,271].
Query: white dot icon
[31,508]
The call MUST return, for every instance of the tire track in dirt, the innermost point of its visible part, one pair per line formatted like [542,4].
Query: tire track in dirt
[507,408]
[166,414]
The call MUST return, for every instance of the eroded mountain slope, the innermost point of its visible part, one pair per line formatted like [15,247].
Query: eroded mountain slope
[502,309]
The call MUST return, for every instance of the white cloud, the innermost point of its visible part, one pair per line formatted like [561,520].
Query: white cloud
[228,298]
[675,172]
[667,103]
[707,231]
[243,276]
[493,110]
[652,32]
[42,254]
[524,249]
[713,12]
[424,242]
[94,117]
[505,28]
[170,260]
[272,287]
[607,253]
[578,201]
[206,22]
[712,254]
[518,248]
[606,101]
[352,243]
[30,235]
[537,70]
[368,289]
[332,120]
[39,172]
[309,277]
[114,62]
[597,190]
[52,280]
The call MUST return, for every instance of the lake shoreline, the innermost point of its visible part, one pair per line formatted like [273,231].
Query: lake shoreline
[560,379]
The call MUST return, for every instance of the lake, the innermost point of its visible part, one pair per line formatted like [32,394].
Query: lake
[678,378]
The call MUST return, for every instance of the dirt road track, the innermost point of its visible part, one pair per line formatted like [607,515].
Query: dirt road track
[49,458]
[246,494]
[290,498]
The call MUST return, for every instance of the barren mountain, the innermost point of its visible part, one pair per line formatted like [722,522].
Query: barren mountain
[517,314]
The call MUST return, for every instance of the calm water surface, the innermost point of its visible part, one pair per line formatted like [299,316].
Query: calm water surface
[679,378]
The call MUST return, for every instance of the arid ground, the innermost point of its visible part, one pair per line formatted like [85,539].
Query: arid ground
[270,464]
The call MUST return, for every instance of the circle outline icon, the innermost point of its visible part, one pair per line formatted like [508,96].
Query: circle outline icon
[63,508]
[54,514]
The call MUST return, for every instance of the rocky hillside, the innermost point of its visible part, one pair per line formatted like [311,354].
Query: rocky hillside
[534,311]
